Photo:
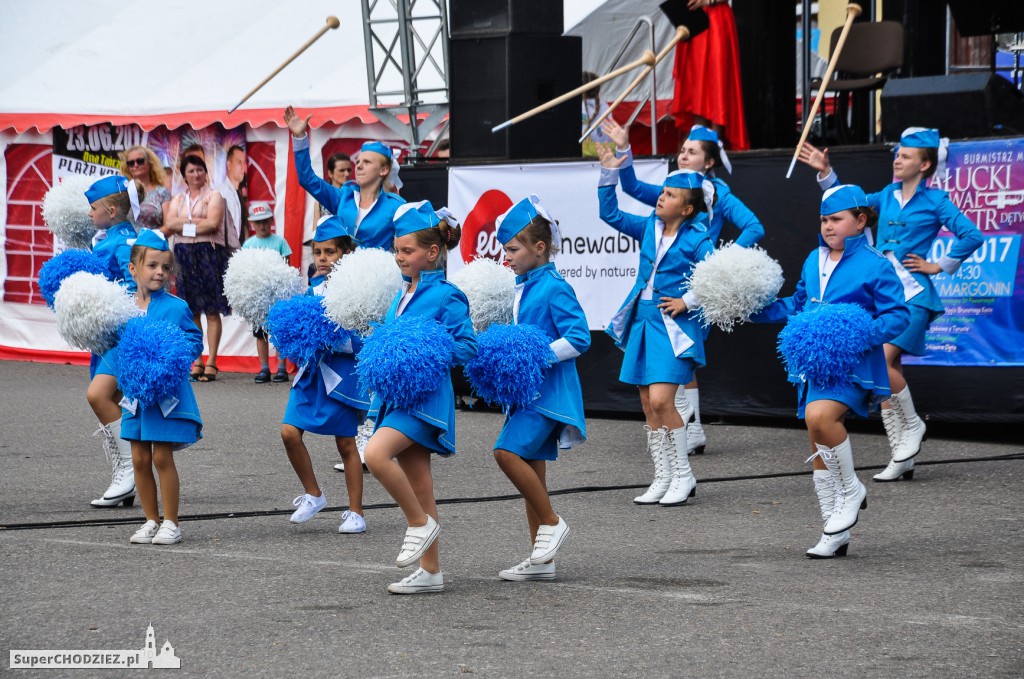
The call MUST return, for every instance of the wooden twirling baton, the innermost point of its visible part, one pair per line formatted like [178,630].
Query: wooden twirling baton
[332,23]
[853,10]
[646,59]
[682,33]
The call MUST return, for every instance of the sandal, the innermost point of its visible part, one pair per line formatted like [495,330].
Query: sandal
[209,377]
[197,371]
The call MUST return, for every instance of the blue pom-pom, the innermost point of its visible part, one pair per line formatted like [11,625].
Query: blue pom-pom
[510,364]
[153,359]
[56,269]
[823,344]
[404,360]
[301,330]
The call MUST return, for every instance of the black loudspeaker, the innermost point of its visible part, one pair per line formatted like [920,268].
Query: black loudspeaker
[969,105]
[495,79]
[483,18]
[985,17]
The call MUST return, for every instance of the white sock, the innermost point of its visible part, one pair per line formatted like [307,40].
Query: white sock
[693,396]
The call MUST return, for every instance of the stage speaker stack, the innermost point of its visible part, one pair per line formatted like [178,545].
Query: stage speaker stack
[504,58]
[967,105]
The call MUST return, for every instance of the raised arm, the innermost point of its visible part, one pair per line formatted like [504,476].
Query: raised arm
[634,188]
[327,195]
[608,201]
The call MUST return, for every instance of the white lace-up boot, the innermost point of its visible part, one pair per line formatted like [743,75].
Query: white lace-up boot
[662,471]
[684,485]
[683,405]
[119,455]
[829,545]
[695,438]
[913,429]
[851,495]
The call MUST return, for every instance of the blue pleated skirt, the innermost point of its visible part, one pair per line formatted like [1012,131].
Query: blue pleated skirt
[649,358]
[310,408]
[418,430]
[530,435]
[911,340]
[867,387]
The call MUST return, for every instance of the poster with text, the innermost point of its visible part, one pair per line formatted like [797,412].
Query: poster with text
[984,299]
[599,262]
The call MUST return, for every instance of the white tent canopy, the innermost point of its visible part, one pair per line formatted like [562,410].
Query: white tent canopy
[144,58]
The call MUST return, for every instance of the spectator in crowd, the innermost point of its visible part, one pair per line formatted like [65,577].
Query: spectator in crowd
[339,171]
[196,220]
[142,165]
[444,149]
[261,216]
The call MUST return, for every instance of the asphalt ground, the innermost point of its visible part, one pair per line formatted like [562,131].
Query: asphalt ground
[932,586]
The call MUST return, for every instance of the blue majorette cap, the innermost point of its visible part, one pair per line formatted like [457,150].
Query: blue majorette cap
[920,138]
[331,226]
[519,216]
[107,186]
[148,238]
[684,179]
[413,217]
[843,197]
[377,147]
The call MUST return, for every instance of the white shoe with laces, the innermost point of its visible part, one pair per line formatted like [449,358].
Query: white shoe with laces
[420,582]
[119,454]
[417,541]
[549,539]
[308,505]
[352,523]
[527,571]
[169,534]
[145,535]
[830,546]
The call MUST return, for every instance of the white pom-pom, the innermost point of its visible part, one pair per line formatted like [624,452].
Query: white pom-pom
[734,283]
[361,287]
[490,288]
[256,279]
[92,310]
[66,211]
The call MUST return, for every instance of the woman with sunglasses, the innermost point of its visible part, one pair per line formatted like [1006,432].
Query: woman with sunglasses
[142,165]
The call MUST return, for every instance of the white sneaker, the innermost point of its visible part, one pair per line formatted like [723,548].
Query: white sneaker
[169,534]
[420,582]
[144,535]
[340,467]
[308,505]
[549,539]
[527,571]
[417,541]
[352,523]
